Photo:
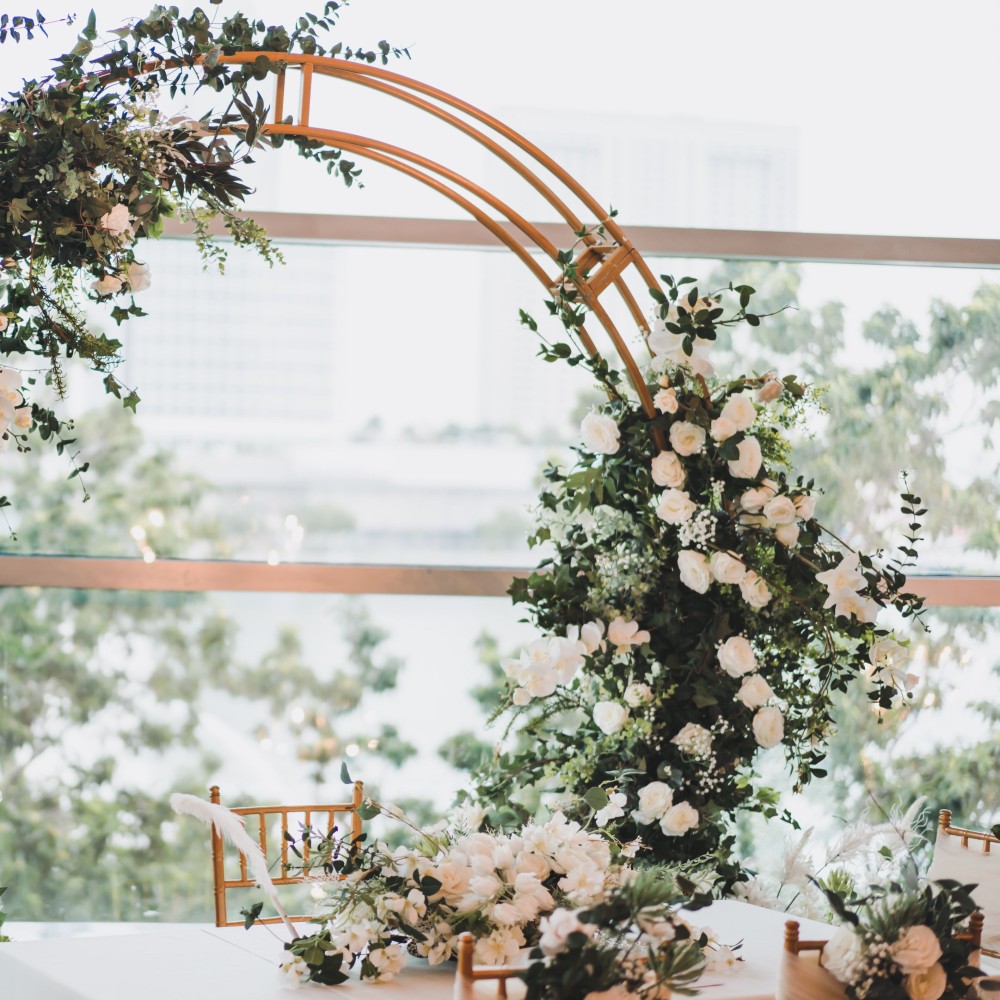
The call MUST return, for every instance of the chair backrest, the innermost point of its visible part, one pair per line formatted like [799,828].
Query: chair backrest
[467,974]
[259,819]
[966,856]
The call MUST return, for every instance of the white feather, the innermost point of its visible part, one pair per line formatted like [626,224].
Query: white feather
[230,827]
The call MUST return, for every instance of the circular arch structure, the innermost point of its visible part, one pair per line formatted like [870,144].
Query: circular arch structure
[601,263]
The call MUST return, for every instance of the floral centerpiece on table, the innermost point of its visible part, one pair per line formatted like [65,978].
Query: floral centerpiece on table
[632,943]
[904,942]
[694,610]
[384,904]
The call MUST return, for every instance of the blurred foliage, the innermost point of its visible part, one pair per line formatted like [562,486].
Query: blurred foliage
[103,696]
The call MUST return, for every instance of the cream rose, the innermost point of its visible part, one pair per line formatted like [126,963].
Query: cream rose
[754,691]
[675,507]
[695,571]
[805,506]
[842,953]
[916,949]
[666,401]
[929,985]
[736,656]
[787,534]
[138,277]
[747,466]
[780,510]
[637,694]
[678,819]
[600,434]
[754,590]
[687,438]
[768,727]
[726,568]
[654,800]
[107,285]
[668,471]
[741,411]
[722,429]
[610,717]
[769,391]
[116,221]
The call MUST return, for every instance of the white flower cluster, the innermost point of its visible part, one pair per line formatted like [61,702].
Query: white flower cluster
[508,881]
[656,805]
[843,584]
[737,658]
[553,660]
[117,224]
[698,571]
[886,657]
[764,506]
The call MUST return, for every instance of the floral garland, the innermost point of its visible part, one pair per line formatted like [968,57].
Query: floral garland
[733,613]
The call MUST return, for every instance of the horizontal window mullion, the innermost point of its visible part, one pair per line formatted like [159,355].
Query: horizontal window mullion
[330,578]
[667,241]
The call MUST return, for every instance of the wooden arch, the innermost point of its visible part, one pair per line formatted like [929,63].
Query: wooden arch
[600,265]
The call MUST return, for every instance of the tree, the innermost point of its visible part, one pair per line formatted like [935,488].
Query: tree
[102,693]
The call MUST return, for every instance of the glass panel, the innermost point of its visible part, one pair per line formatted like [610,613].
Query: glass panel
[383,405]
[112,700]
[797,120]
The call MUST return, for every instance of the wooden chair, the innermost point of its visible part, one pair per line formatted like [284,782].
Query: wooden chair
[263,817]
[467,974]
[959,856]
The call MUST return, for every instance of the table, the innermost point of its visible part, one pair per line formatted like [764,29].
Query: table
[179,963]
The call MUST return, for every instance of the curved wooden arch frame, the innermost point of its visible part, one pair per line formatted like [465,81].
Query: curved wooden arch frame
[599,265]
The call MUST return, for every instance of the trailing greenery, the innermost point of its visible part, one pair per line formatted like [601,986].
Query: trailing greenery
[90,167]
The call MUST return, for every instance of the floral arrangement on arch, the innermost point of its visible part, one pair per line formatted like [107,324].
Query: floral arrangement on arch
[905,942]
[694,610]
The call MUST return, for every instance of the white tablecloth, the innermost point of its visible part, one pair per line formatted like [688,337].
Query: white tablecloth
[230,963]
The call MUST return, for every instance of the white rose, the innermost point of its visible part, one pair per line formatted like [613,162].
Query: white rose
[805,506]
[754,590]
[138,277]
[654,800]
[695,571]
[769,391]
[754,691]
[610,717]
[600,434]
[678,819]
[787,534]
[916,949]
[842,954]
[687,438]
[929,985]
[107,285]
[726,568]
[666,401]
[116,221]
[741,411]
[722,429]
[736,656]
[768,727]
[667,470]
[637,694]
[780,510]
[748,464]
[675,507]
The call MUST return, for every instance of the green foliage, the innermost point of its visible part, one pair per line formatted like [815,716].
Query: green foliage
[90,167]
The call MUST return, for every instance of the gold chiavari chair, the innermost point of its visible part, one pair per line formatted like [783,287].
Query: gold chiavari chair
[467,974]
[966,856]
[321,818]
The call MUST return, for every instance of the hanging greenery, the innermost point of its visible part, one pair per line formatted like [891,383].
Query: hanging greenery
[90,166]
